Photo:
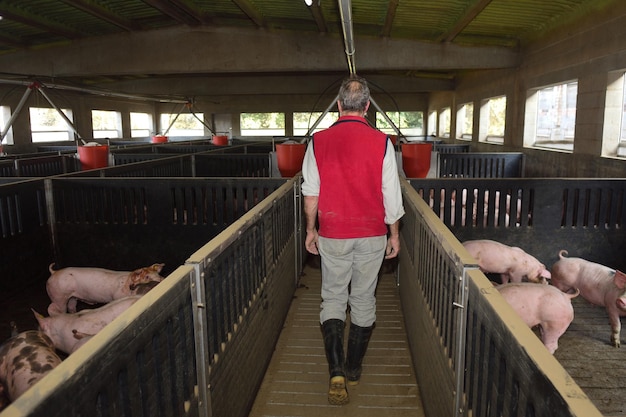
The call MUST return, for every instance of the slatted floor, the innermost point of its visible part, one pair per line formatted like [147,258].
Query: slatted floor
[296,382]
[587,355]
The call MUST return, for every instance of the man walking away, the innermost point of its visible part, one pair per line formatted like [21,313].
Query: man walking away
[351,189]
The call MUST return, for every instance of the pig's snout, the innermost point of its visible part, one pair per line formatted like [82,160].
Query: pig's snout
[621,303]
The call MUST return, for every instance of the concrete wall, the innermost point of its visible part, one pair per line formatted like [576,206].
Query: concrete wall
[587,53]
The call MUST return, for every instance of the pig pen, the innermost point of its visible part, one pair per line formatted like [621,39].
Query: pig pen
[117,224]
[217,315]
[542,216]
[199,343]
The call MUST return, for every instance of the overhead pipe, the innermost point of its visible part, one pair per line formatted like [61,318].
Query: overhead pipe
[345,10]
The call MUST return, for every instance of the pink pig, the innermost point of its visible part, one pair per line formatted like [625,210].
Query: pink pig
[24,360]
[512,263]
[598,284]
[94,285]
[69,331]
[541,305]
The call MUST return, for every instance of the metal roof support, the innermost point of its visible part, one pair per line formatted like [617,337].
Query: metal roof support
[94,91]
[29,90]
[67,120]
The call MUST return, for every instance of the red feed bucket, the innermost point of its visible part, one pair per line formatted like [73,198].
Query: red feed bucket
[92,157]
[159,139]
[416,159]
[219,140]
[289,157]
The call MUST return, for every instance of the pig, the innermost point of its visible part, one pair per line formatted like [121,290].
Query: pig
[541,305]
[512,263]
[69,331]
[94,285]
[598,284]
[24,360]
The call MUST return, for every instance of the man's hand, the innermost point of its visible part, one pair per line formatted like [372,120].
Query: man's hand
[310,243]
[393,246]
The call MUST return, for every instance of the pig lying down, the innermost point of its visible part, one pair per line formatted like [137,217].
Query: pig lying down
[512,263]
[69,331]
[541,305]
[94,285]
[24,360]
[598,284]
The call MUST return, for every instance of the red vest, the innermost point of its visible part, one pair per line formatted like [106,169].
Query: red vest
[349,158]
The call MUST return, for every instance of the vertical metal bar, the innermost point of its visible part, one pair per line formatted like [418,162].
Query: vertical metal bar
[198,300]
[52,223]
[461,331]
[298,234]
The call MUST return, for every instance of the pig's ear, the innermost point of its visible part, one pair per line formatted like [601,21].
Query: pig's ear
[619,279]
[39,317]
[136,276]
[157,267]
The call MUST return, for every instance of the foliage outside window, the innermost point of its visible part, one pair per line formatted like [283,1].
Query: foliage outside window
[444,122]
[5,115]
[262,124]
[614,128]
[492,120]
[303,121]
[465,121]
[47,125]
[410,123]
[183,124]
[106,124]
[551,116]
[141,125]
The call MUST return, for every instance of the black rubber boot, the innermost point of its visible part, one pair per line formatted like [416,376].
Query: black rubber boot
[333,344]
[358,340]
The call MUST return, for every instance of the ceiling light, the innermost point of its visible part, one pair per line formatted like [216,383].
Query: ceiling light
[308,2]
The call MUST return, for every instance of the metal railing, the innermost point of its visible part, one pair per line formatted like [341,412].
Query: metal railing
[473,355]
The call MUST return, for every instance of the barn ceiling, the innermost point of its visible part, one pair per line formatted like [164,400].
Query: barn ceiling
[38,25]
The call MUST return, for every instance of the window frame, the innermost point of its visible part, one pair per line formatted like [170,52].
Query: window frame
[532,120]
[68,132]
[485,134]
[166,120]
[269,132]
[115,132]
[134,131]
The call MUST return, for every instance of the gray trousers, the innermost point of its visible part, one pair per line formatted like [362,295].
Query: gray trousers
[349,276]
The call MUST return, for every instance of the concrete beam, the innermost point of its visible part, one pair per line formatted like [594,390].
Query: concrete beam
[270,84]
[205,49]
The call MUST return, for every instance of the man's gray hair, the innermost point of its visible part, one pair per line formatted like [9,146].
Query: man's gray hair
[354,94]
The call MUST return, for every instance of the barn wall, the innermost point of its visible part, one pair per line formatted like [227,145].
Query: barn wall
[587,53]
